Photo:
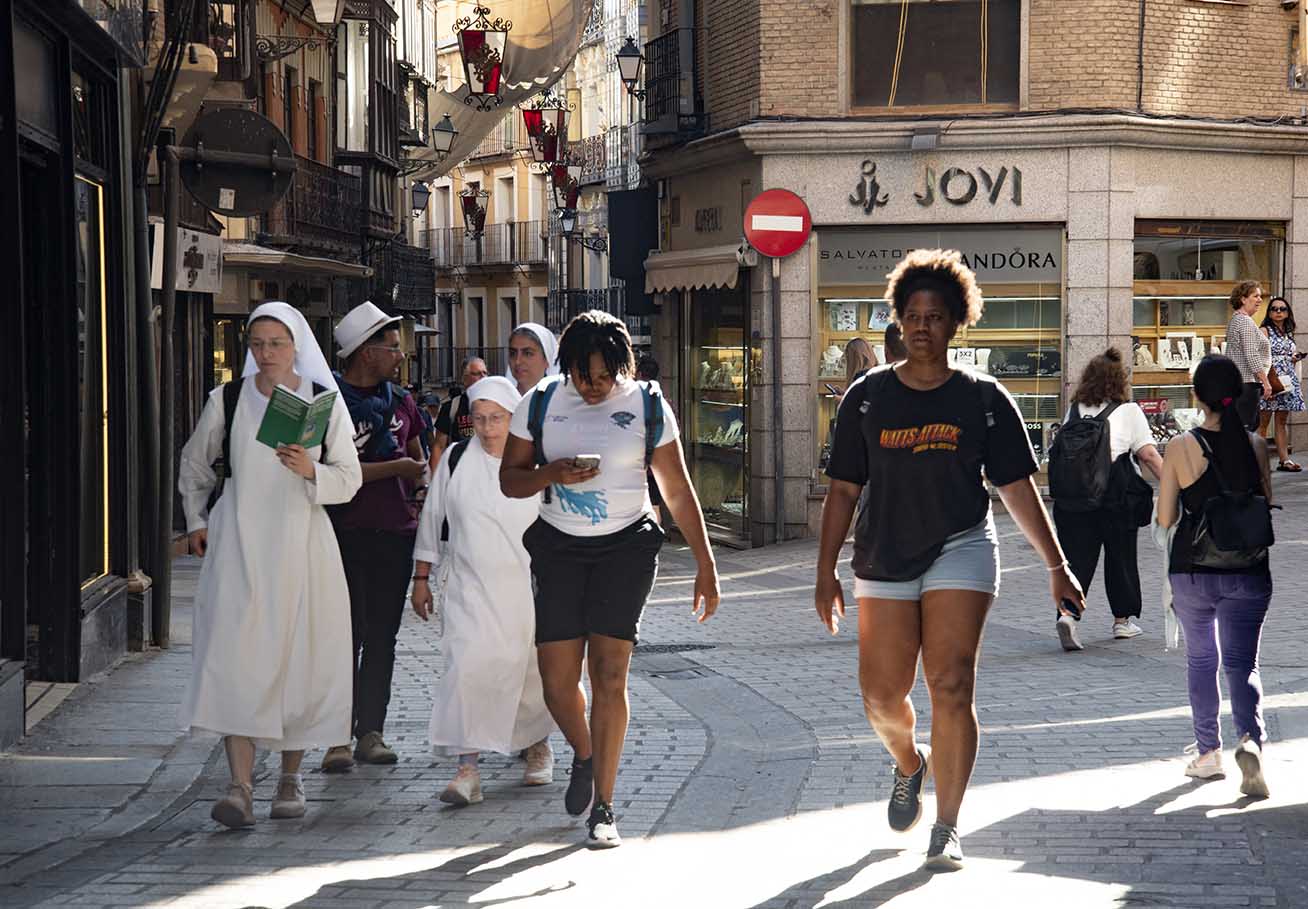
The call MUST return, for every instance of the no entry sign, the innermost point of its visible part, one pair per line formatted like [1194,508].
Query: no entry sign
[777,223]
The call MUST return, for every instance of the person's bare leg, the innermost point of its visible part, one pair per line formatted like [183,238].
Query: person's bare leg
[1264,419]
[291,761]
[1282,435]
[240,758]
[952,622]
[608,662]
[560,675]
[889,640]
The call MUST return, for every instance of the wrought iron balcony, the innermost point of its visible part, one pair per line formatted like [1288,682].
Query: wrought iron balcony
[322,211]
[673,107]
[621,156]
[564,305]
[592,153]
[404,279]
[506,244]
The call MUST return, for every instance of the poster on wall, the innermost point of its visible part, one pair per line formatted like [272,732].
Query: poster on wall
[842,316]
[1023,363]
[881,316]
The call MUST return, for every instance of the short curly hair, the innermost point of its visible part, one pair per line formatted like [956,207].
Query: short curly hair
[941,271]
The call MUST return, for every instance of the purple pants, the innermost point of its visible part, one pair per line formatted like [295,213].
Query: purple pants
[1225,608]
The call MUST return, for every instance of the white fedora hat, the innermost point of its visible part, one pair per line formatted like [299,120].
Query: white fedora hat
[360,324]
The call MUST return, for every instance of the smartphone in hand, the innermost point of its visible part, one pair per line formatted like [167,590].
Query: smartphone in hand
[587,461]
[1072,609]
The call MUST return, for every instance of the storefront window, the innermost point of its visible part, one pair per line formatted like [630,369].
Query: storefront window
[1019,340]
[716,423]
[93,384]
[228,349]
[1184,273]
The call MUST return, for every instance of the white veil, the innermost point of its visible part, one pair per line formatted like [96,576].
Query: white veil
[309,360]
[548,343]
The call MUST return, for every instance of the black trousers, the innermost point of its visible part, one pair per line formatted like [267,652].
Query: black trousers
[1247,405]
[378,565]
[1083,534]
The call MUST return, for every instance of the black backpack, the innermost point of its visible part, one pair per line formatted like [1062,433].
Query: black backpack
[1081,461]
[223,466]
[1233,530]
[456,455]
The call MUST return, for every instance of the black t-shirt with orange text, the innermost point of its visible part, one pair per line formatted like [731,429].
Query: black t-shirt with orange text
[921,455]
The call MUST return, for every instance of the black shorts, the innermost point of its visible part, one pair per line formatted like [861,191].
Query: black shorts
[592,585]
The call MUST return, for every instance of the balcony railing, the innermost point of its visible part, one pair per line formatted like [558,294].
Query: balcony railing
[508,137]
[508,243]
[564,305]
[322,209]
[404,279]
[621,156]
[672,105]
[592,153]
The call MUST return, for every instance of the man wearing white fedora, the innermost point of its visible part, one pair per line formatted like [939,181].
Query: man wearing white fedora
[376,529]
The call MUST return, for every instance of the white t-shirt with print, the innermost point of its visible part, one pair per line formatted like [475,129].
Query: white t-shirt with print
[613,429]
[1128,427]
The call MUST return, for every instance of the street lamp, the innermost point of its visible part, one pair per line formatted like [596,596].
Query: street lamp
[443,135]
[546,122]
[473,201]
[629,61]
[481,46]
[421,193]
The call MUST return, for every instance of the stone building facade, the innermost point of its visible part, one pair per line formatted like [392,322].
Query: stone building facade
[1109,185]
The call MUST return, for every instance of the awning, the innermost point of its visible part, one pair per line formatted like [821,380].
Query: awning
[715,266]
[251,255]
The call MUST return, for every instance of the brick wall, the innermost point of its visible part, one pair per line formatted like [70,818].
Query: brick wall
[728,56]
[799,49]
[1084,54]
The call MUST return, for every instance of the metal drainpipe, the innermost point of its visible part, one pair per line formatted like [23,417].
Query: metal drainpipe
[161,614]
[1139,86]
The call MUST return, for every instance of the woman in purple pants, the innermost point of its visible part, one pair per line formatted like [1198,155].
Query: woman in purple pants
[1218,604]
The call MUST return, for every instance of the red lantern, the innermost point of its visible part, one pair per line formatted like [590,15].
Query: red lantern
[473,201]
[547,124]
[481,45]
[567,185]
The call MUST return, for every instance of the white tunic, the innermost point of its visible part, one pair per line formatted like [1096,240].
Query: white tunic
[272,636]
[490,697]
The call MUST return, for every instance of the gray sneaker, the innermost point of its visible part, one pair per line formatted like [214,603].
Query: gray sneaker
[289,801]
[1067,633]
[945,852]
[906,795]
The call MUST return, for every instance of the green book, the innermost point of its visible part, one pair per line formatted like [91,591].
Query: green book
[291,420]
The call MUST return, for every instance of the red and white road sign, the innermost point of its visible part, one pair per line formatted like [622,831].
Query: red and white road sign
[777,223]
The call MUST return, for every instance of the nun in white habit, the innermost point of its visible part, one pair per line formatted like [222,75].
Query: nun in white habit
[490,697]
[533,355]
[272,611]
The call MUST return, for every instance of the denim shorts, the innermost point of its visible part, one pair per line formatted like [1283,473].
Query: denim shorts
[969,561]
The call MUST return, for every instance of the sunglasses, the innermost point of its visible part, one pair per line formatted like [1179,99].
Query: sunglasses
[1279,309]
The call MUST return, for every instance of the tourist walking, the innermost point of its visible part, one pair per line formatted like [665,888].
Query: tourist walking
[1278,326]
[489,698]
[1100,498]
[272,614]
[919,435]
[453,421]
[533,355]
[1250,350]
[1218,569]
[376,529]
[585,440]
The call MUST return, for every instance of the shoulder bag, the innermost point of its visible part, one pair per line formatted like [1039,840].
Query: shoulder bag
[1233,530]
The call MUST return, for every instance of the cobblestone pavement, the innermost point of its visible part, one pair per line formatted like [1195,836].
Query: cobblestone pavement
[750,777]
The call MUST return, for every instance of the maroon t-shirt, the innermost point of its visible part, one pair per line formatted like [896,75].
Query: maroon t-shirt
[384,504]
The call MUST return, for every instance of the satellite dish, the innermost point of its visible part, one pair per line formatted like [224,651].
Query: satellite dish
[238,190]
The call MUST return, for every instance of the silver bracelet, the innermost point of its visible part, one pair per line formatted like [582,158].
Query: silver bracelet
[1060,566]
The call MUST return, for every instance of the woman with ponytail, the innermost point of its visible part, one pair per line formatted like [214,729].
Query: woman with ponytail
[1226,604]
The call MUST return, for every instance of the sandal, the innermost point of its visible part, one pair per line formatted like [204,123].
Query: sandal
[1289,467]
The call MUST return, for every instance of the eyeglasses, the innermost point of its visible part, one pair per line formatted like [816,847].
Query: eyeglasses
[275,345]
[397,349]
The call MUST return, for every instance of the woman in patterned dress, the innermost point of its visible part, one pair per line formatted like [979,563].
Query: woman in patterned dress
[1278,325]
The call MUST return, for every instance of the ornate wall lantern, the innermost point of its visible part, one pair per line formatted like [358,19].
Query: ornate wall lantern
[473,200]
[629,61]
[421,194]
[443,135]
[481,45]
[546,121]
[566,178]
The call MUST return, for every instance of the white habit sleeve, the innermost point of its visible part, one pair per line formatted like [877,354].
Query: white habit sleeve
[195,474]
[427,547]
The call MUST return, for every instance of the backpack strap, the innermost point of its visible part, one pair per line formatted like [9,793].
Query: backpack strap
[231,397]
[1108,411]
[653,399]
[1212,460]
[540,402]
[456,454]
[322,452]
[987,389]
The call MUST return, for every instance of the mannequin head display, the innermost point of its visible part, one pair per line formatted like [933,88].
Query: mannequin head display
[833,361]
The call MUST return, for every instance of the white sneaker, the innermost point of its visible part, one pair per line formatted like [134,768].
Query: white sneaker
[1205,766]
[1250,759]
[465,788]
[540,765]
[602,828]
[1127,629]
[1067,633]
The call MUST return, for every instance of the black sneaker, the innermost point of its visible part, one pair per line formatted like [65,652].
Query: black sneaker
[581,787]
[602,828]
[906,796]
[945,852]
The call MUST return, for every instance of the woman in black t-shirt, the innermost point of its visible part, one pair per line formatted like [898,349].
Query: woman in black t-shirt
[918,435]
